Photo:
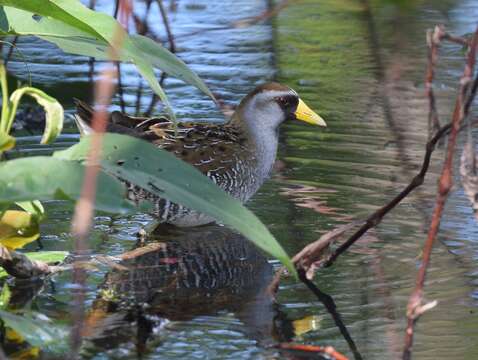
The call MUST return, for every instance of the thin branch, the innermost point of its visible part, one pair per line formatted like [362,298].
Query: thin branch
[415,307]
[329,304]
[434,38]
[375,219]
[84,209]
[172,48]
[167,27]
[142,28]
[20,266]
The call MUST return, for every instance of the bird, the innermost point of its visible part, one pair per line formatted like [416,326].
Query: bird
[238,155]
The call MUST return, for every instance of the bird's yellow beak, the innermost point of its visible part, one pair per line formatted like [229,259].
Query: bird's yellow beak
[304,113]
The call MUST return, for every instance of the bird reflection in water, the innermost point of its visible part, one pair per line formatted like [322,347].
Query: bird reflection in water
[208,271]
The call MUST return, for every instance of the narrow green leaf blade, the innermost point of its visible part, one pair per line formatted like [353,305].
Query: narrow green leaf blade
[165,175]
[97,26]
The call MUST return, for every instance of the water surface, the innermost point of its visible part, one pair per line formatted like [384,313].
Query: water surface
[361,66]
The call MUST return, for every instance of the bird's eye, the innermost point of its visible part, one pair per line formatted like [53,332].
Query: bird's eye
[284,102]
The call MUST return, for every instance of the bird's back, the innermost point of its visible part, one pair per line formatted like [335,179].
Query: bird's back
[221,152]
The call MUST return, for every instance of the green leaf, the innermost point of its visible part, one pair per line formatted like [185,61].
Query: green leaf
[47,256]
[94,30]
[50,257]
[5,296]
[35,208]
[36,332]
[53,111]
[160,172]
[47,178]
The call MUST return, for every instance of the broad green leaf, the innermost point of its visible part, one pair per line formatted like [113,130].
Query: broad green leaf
[18,228]
[98,27]
[50,257]
[5,296]
[46,178]
[7,142]
[53,111]
[36,332]
[165,175]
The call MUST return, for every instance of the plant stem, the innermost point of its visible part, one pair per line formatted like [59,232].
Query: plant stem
[5,102]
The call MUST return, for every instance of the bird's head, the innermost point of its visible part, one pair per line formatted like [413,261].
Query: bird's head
[270,104]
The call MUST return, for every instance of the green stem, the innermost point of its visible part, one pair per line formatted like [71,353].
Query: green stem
[5,102]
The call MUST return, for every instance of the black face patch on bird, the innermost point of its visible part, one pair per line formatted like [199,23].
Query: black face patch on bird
[288,103]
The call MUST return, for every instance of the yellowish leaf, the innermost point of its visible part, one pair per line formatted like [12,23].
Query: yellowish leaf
[18,228]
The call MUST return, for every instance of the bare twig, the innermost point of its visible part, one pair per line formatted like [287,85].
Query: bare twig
[434,38]
[142,28]
[415,307]
[20,266]
[167,27]
[172,48]
[329,304]
[375,218]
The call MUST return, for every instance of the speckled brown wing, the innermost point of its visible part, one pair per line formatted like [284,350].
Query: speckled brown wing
[221,152]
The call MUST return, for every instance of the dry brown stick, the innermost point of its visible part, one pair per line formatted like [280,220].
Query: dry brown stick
[375,218]
[457,39]
[172,48]
[20,266]
[312,253]
[167,26]
[142,28]
[434,38]
[84,209]
[415,307]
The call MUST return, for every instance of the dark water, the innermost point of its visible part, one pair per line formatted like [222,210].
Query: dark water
[362,68]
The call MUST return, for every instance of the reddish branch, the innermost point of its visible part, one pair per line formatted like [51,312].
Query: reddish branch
[311,257]
[328,350]
[415,308]
[84,209]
